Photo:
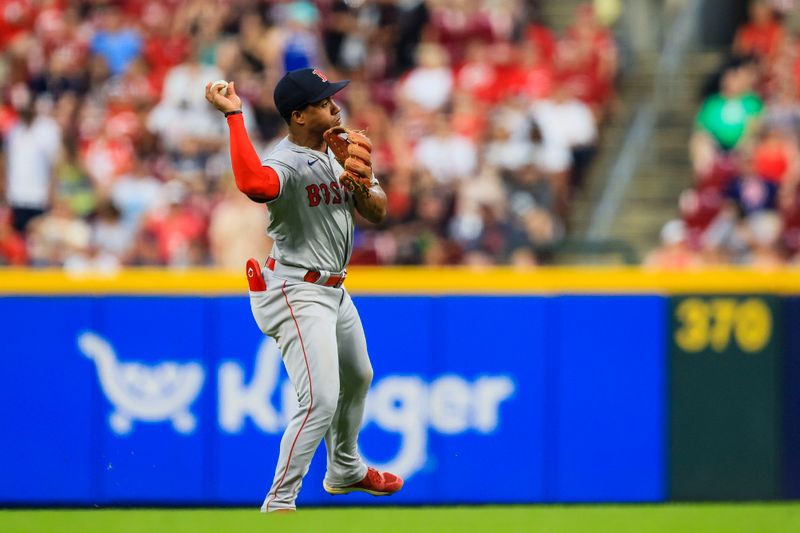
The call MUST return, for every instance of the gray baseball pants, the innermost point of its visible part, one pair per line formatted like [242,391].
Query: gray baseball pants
[324,351]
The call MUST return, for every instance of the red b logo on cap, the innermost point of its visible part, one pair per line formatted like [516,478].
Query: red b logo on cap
[317,72]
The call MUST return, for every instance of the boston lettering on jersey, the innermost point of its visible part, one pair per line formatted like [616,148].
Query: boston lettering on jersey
[331,193]
[306,235]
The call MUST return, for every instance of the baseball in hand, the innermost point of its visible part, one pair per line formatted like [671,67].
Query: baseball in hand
[224,84]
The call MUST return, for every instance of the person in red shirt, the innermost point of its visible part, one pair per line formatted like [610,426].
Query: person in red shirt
[699,207]
[587,58]
[478,74]
[543,39]
[762,35]
[775,156]
[179,229]
[470,116]
[533,75]
[454,24]
[16,19]
[166,46]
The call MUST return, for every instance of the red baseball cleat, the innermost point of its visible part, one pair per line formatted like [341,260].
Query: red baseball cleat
[375,482]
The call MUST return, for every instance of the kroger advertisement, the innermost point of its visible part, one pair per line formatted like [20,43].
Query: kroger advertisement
[111,400]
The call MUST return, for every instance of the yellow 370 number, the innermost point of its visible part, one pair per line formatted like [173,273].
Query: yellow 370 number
[713,322]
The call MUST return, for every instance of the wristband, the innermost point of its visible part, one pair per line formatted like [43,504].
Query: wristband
[237,112]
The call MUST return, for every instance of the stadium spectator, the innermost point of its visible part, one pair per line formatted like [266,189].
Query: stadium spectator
[534,76]
[790,215]
[110,238]
[178,228]
[564,123]
[762,232]
[16,22]
[236,229]
[505,151]
[587,59]
[107,156]
[751,192]
[31,150]
[136,193]
[540,36]
[478,75]
[430,83]
[726,118]
[454,24]
[469,116]
[73,183]
[541,228]
[117,41]
[775,155]
[58,236]
[675,252]
[182,79]
[166,43]
[783,109]
[480,224]
[296,41]
[445,155]
[549,155]
[762,35]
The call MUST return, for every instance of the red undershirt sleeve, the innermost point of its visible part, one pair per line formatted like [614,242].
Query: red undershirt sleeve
[257,181]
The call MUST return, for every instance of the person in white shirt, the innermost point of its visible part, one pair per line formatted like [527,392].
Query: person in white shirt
[565,120]
[447,156]
[32,148]
[182,113]
[430,84]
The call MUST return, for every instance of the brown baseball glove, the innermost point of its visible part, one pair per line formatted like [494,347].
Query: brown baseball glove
[353,151]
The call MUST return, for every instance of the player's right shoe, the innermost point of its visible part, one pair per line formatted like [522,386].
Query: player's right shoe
[375,482]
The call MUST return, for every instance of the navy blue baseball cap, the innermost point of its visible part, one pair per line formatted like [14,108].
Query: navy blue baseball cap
[301,87]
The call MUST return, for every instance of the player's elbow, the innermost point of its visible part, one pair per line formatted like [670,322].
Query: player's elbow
[256,194]
[376,215]
[381,213]
[258,198]
[260,185]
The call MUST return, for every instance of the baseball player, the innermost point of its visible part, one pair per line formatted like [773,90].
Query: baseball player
[312,181]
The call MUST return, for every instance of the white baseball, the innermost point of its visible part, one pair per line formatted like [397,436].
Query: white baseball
[224,84]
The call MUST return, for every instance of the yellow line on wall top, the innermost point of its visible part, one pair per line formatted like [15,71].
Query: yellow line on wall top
[414,280]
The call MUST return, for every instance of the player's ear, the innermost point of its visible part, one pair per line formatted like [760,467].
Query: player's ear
[298,116]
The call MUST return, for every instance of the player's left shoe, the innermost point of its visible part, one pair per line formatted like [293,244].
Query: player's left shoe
[375,482]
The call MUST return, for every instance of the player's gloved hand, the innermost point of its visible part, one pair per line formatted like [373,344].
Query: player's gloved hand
[353,151]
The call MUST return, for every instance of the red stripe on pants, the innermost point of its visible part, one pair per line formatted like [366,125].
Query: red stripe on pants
[310,394]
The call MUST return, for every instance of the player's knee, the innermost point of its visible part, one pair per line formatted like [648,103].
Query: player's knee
[325,402]
[362,379]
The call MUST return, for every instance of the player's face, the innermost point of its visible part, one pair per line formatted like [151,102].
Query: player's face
[323,114]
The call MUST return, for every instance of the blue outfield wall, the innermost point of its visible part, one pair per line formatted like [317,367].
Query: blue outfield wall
[181,400]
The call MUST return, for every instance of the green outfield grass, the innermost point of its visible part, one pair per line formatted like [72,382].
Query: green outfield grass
[678,518]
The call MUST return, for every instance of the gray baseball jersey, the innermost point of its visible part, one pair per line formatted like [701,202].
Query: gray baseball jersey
[311,221]
[317,327]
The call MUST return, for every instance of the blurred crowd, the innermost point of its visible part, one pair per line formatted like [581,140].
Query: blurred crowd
[483,121]
[744,205]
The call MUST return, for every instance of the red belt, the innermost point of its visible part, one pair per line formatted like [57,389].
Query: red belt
[312,276]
